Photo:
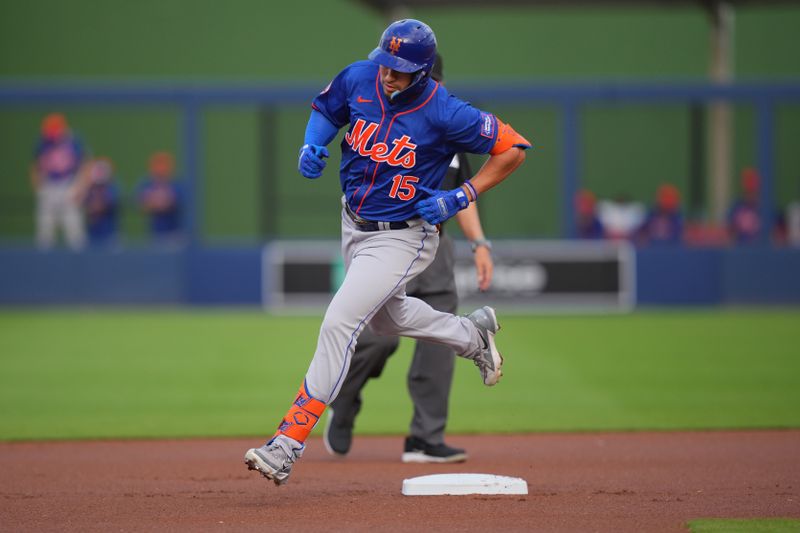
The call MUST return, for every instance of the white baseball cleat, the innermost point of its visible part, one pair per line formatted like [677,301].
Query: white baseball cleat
[487,359]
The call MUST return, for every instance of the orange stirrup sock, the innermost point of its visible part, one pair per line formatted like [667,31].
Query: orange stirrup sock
[302,416]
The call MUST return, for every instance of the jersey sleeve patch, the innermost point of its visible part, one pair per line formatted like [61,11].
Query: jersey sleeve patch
[488,125]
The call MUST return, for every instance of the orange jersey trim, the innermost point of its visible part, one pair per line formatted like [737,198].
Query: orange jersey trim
[508,138]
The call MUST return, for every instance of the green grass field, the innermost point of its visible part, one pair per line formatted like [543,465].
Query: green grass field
[761,525]
[179,373]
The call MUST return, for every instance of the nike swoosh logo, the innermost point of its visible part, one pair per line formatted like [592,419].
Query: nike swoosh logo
[363,100]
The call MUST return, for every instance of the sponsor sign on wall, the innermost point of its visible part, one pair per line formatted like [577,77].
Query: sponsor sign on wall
[538,275]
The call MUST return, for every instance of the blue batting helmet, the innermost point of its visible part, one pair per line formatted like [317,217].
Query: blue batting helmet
[407,45]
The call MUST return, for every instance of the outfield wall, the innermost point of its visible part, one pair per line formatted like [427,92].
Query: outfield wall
[237,276]
[248,176]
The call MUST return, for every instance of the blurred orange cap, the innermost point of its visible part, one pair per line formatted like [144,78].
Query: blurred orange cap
[161,164]
[54,126]
[668,197]
[750,180]
[585,202]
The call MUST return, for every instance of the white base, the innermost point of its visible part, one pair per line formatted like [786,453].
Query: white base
[459,484]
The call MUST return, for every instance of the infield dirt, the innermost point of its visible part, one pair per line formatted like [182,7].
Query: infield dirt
[576,482]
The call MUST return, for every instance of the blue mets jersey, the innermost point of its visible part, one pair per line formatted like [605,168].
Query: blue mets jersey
[391,149]
[168,197]
[59,161]
[101,207]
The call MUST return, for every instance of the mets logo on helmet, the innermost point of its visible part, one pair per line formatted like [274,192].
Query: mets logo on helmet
[394,46]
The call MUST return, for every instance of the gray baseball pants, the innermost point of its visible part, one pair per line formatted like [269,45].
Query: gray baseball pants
[379,265]
[430,375]
[55,207]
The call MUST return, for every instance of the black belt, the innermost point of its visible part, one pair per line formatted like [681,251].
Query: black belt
[370,225]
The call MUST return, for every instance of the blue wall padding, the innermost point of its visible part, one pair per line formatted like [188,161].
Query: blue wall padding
[676,276]
[232,276]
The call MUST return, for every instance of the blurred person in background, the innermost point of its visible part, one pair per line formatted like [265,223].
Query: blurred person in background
[664,223]
[622,218]
[744,220]
[431,373]
[588,225]
[161,197]
[57,175]
[101,204]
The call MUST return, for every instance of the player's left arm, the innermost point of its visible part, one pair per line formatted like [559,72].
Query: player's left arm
[496,169]
[506,155]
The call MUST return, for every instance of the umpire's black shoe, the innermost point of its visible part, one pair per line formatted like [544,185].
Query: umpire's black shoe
[418,451]
[338,433]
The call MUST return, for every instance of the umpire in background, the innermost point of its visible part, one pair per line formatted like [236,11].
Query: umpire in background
[431,374]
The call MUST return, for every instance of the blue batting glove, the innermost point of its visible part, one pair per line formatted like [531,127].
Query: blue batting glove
[441,205]
[311,162]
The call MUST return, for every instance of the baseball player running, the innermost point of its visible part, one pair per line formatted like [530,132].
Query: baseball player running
[404,131]
[430,376]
